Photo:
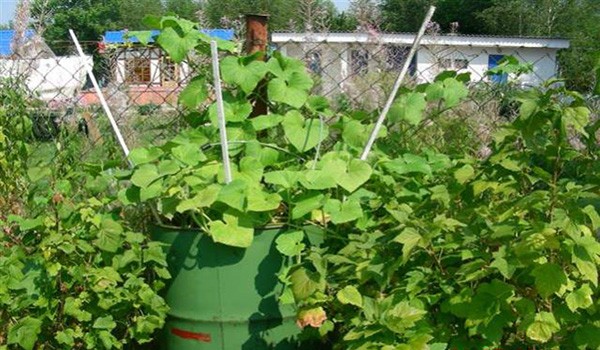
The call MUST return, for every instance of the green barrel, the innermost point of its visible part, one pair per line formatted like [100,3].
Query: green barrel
[223,297]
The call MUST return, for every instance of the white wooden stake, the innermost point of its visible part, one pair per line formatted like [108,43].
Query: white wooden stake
[397,85]
[109,114]
[220,111]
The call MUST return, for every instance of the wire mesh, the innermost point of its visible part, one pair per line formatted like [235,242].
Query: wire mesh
[357,71]
[141,85]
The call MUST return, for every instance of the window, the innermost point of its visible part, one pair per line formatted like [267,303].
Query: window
[395,57]
[454,63]
[313,61]
[359,61]
[493,62]
[137,70]
[169,71]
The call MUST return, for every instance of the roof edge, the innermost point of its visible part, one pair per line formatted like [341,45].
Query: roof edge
[408,38]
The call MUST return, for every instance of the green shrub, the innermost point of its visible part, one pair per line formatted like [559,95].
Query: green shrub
[470,254]
[76,276]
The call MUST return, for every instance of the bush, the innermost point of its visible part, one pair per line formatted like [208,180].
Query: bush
[76,276]
[461,253]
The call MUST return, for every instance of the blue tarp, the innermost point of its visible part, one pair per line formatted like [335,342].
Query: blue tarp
[6,38]
[118,36]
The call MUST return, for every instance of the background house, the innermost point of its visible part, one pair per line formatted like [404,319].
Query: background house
[148,73]
[341,60]
[50,78]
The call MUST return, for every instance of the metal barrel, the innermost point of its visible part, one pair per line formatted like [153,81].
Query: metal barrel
[223,297]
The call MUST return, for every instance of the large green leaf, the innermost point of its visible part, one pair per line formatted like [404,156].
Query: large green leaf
[141,156]
[194,93]
[145,175]
[341,212]
[450,90]
[73,307]
[268,121]
[283,67]
[110,235]
[306,283]
[251,170]
[409,107]
[25,332]
[543,327]
[143,36]
[177,44]
[189,154]
[402,316]
[350,295]
[317,180]
[151,191]
[260,200]
[354,175]
[234,195]
[409,238]
[578,117]
[585,263]
[464,174]
[582,298]
[304,134]
[306,203]
[283,178]
[235,111]
[408,163]
[292,91]
[549,278]
[204,198]
[245,75]
[290,243]
[105,322]
[233,231]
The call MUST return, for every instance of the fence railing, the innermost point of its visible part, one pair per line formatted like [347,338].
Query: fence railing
[355,71]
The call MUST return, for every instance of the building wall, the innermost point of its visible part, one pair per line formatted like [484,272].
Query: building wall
[544,62]
[52,79]
[337,68]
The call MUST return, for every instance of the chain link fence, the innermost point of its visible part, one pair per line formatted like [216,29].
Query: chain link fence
[355,71]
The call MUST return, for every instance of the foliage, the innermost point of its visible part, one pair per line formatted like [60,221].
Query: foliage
[73,274]
[75,277]
[574,20]
[280,12]
[15,131]
[464,253]
[132,12]
[183,8]
[88,19]
[421,249]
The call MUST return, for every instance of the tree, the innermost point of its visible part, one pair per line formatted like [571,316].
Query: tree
[407,15]
[132,12]
[314,15]
[183,8]
[404,15]
[281,12]
[88,18]
[343,22]
[367,14]
[576,20]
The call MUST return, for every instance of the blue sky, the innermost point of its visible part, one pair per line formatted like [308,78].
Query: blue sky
[7,8]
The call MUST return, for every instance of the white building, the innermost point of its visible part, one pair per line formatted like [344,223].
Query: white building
[51,78]
[342,59]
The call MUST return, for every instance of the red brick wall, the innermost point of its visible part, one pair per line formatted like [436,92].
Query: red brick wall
[138,95]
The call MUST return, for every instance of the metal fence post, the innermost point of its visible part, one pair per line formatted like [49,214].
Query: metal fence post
[257,38]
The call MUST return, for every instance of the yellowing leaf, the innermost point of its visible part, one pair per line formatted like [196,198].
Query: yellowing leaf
[543,327]
[350,295]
